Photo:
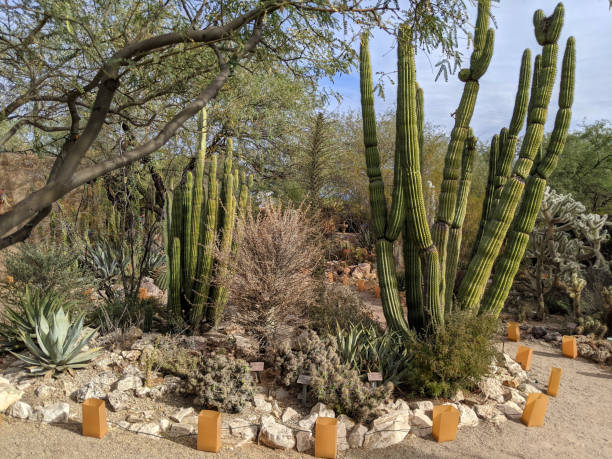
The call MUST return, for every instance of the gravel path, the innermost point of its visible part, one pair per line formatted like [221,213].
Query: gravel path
[578,425]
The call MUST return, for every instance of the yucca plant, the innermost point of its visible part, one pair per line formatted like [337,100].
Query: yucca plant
[57,346]
[22,319]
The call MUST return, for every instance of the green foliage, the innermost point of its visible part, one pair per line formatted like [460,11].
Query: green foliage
[120,312]
[589,325]
[58,344]
[169,358]
[367,349]
[222,383]
[585,167]
[30,305]
[452,356]
[48,266]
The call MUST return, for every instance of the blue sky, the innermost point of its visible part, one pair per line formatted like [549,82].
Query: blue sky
[589,21]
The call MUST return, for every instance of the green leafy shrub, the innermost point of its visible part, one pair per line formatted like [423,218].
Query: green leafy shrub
[58,344]
[168,358]
[332,382]
[48,266]
[22,318]
[222,383]
[452,357]
[339,305]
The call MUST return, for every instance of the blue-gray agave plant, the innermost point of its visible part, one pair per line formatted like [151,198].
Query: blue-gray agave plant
[57,346]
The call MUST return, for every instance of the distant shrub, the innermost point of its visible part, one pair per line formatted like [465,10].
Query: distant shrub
[452,357]
[121,313]
[339,305]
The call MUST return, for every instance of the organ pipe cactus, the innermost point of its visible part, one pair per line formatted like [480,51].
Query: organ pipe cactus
[196,225]
[431,257]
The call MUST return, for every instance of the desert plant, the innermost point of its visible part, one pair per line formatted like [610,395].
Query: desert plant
[431,256]
[121,312]
[221,382]
[23,316]
[273,285]
[454,356]
[196,226]
[58,344]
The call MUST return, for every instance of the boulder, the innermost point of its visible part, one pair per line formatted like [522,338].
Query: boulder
[180,429]
[44,391]
[275,435]
[322,410]
[344,419]
[388,430]
[486,411]
[289,414]
[150,430]
[128,382]
[515,396]
[117,400]
[178,416]
[261,404]
[467,417]
[401,405]
[458,397]
[9,394]
[425,405]
[89,390]
[131,356]
[308,422]
[420,419]
[142,392]
[492,389]
[341,440]
[20,410]
[106,378]
[498,419]
[164,424]
[538,332]
[528,389]
[357,436]
[304,441]
[510,408]
[58,412]
[243,429]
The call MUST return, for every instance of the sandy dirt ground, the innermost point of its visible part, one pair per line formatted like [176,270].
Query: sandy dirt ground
[578,425]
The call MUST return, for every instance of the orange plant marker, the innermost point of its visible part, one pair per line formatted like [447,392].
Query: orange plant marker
[94,418]
[554,381]
[209,431]
[445,422]
[523,356]
[326,437]
[535,410]
[514,332]
[569,347]
[361,285]
[377,291]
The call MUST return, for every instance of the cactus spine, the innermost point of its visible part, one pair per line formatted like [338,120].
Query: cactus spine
[192,227]
[432,257]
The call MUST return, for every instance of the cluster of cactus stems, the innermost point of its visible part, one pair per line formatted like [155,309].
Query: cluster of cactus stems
[199,237]
[514,190]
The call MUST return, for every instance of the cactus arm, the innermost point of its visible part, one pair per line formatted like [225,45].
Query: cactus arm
[487,204]
[455,234]
[174,286]
[385,262]
[474,283]
[508,264]
[412,262]
[479,61]
[417,227]
[378,204]
[188,241]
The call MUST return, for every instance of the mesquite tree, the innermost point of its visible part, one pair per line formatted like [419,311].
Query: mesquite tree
[431,255]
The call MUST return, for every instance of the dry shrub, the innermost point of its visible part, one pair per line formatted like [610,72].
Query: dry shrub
[273,284]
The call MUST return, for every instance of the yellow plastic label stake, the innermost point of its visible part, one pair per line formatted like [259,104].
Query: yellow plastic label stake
[326,437]
[535,410]
[209,431]
[445,422]
[569,347]
[94,418]
[554,381]
[514,332]
[523,356]
[361,285]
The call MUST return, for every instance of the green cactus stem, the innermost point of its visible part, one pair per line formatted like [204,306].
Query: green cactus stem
[507,265]
[478,272]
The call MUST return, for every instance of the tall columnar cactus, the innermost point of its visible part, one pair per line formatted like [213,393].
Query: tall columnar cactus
[195,223]
[479,62]
[432,257]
